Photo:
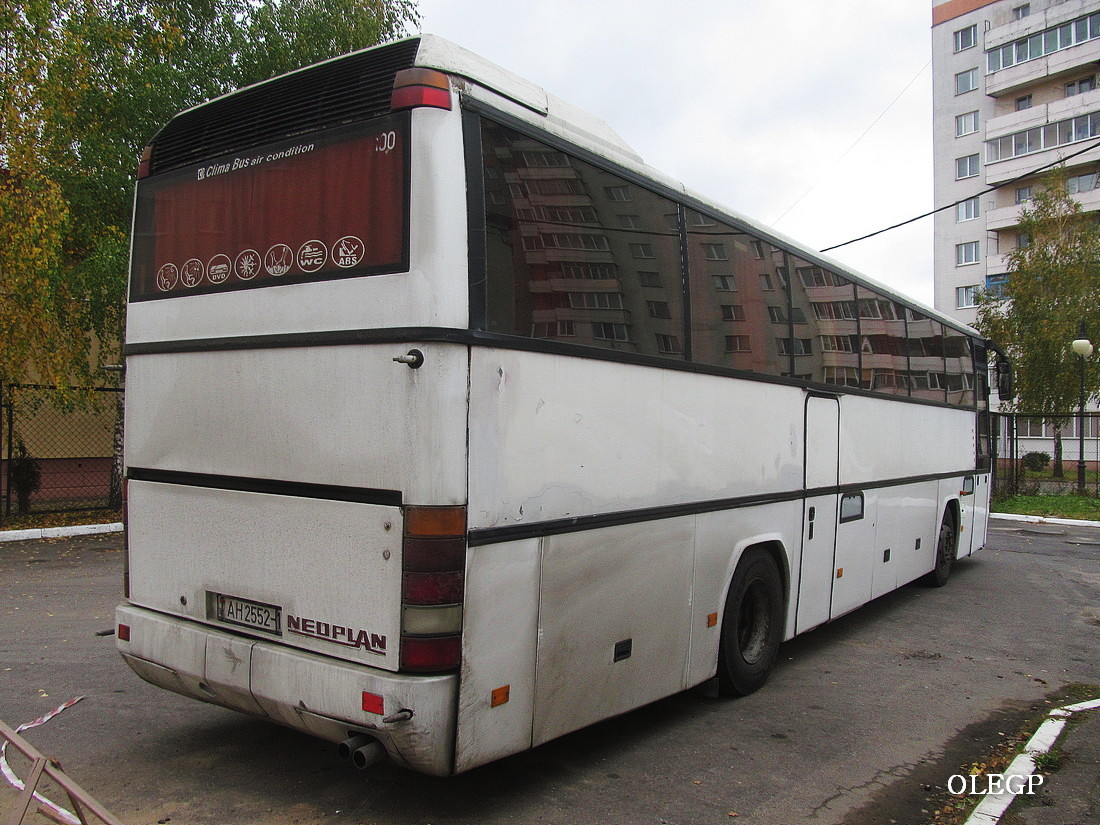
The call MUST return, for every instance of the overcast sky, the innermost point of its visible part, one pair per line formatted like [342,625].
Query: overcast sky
[760,106]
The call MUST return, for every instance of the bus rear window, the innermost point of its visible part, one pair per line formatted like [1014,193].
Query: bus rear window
[329,205]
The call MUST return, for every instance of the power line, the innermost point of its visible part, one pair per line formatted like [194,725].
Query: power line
[1016,179]
[882,114]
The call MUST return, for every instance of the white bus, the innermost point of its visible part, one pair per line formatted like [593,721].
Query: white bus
[451,427]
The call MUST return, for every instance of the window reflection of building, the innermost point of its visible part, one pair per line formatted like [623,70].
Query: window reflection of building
[578,254]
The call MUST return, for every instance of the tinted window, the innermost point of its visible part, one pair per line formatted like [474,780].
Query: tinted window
[577,254]
[322,206]
[738,315]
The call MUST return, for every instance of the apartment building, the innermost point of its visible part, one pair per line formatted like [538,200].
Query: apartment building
[1015,88]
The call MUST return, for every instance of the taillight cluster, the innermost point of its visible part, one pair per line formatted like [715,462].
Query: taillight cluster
[433,582]
[416,88]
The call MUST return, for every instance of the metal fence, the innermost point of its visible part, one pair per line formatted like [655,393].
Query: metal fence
[53,458]
[1028,449]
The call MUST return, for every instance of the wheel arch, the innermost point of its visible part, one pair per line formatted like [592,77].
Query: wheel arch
[772,544]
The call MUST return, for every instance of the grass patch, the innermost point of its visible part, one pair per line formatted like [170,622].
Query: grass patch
[1075,507]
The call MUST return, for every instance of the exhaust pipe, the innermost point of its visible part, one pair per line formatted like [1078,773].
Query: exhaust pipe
[368,754]
[353,743]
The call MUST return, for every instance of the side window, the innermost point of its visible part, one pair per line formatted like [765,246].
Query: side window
[734,313]
[926,361]
[958,368]
[577,254]
[824,311]
[884,350]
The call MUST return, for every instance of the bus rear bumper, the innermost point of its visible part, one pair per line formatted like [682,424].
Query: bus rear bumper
[311,693]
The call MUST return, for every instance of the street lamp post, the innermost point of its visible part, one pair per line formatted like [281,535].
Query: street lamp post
[1083,347]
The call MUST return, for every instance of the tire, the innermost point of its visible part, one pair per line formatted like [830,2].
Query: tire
[752,625]
[947,549]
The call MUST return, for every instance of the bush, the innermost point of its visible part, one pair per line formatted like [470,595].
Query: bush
[1036,461]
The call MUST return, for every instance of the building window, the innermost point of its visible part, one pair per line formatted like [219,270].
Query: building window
[966,296]
[1023,240]
[995,285]
[968,209]
[966,38]
[595,300]
[630,222]
[649,279]
[966,124]
[715,252]
[1023,194]
[757,249]
[658,309]
[837,343]
[733,312]
[1023,102]
[1020,12]
[725,283]
[610,332]
[667,344]
[966,167]
[575,240]
[795,346]
[1041,43]
[766,282]
[1081,183]
[642,251]
[553,329]
[618,193]
[967,253]
[966,81]
[738,343]
[1038,138]
[1079,87]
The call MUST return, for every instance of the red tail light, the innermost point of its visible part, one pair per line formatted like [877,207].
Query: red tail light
[413,88]
[433,584]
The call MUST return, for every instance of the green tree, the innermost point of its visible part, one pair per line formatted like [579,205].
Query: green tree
[1053,287]
[85,84]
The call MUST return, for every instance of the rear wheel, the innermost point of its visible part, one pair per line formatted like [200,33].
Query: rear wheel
[752,626]
[947,548]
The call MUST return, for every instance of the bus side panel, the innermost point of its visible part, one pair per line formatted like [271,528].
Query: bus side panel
[500,626]
[554,437]
[615,607]
[720,539]
[880,438]
[906,515]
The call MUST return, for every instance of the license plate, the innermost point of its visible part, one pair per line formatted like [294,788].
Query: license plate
[246,613]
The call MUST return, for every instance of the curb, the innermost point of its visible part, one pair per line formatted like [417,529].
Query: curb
[993,805]
[1066,522]
[60,532]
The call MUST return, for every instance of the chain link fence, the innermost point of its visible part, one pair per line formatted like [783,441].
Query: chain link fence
[55,459]
[1039,455]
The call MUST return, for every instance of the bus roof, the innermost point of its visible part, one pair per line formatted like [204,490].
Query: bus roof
[493,85]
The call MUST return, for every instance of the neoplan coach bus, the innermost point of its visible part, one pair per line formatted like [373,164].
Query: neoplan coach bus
[452,427]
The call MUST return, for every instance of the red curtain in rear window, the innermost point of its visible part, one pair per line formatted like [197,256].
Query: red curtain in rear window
[325,206]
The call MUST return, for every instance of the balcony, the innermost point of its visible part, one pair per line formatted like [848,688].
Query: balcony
[1016,78]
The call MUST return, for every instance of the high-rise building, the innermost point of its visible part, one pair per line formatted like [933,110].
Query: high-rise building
[1015,88]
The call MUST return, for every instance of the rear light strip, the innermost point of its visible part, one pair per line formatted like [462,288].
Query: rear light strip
[432,589]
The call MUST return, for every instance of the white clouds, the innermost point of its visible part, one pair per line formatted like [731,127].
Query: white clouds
[749,103]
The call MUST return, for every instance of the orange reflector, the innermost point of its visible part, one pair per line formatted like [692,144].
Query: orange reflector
[840,572]
[499,696]
[712,619]
[421,77]
[124,632]
[435,521]
[372,703]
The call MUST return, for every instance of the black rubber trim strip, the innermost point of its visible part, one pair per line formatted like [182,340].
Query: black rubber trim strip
[576,524]
[298,489]
[477,338]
